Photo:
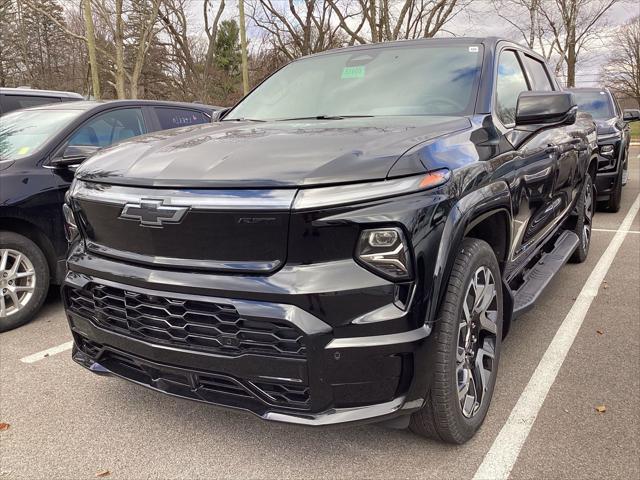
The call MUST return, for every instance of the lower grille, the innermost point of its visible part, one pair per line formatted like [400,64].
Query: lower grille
[198,385]
[197,325]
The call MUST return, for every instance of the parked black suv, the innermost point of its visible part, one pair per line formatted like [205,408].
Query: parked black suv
[40,148]
[349,243]
[613,141]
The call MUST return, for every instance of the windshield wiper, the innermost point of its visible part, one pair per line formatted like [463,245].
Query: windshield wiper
[241,120]
[324,117]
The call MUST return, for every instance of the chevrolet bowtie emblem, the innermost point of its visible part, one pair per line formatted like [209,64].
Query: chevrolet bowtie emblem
[152,213]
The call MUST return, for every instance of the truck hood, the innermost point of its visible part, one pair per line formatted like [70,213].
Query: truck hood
[270,154]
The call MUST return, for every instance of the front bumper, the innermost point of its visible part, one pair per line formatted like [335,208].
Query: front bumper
[335,374]
[608,168]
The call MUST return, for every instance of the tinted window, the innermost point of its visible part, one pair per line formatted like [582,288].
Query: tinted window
[403,80]
[14,102]
[510,83]
[596,103]
[179,117]
[24,132]
[537,75]
[110,127]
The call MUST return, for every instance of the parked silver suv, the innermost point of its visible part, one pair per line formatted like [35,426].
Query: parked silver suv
[16,98]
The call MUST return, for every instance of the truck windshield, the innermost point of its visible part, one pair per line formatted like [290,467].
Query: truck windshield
[23,132]
[595,103]
[399,80]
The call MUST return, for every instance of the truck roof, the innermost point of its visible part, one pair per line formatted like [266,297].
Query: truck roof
[38,93]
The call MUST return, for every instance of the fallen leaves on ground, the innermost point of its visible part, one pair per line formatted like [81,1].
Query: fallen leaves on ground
[103,473]
[4,426]
[601,409]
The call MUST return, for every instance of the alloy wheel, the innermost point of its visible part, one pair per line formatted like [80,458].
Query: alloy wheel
[17,281]
[476,341]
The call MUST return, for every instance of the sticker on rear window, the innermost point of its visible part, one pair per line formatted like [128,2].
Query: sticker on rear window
[23,150]
[353,72]
[474,49]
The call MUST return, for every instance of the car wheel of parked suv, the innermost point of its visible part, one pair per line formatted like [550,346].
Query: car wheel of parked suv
[468,334]
[585,208]
[615,199]
[24,280]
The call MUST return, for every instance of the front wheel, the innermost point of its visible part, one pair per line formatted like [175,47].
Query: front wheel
[585,208]
[24,280]
[467,337]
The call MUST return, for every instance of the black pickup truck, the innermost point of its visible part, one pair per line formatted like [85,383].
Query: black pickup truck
[349,243]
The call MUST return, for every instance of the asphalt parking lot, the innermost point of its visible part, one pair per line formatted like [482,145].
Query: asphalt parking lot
[67,423]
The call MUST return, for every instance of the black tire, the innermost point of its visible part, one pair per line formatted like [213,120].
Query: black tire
[615,199]
[35,284]
[585,208]
[442,416]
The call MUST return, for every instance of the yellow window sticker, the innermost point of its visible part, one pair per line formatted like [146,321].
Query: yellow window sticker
[23,150]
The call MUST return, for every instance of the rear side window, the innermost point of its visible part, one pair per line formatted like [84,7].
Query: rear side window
[537,75]
[511,82]
[110,127]
[179,117]
[15,102]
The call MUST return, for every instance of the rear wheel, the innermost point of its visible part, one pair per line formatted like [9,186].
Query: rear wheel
[467,337]
[24,280]
[585,208]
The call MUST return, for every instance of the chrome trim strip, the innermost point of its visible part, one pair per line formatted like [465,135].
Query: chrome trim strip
[196,264]
[199,199]
[357,192]
[339,415]
[380,340]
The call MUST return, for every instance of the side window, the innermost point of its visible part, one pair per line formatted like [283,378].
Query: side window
[110,127]
[510,83]
[538,75]
[179,117]
[14,102]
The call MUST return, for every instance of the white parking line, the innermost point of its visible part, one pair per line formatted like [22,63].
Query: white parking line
[47,353]
[612,230]
[501,457]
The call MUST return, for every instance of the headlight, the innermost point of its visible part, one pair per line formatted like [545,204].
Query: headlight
[606,149]
[385,251]
[70,226]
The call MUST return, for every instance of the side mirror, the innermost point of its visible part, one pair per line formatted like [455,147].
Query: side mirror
[631,115]
[74,155]
[219,114]
[544,109]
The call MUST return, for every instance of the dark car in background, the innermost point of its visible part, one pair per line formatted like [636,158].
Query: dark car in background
[613,141]
[17,98]
[40,148]
[349,243]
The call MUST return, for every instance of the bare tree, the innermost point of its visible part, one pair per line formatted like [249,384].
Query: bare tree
[296,28]
[572,24]
[367,21]
[193,57]
[622,71]
[91,48]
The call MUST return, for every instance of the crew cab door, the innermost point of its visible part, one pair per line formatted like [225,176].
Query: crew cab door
[536,163]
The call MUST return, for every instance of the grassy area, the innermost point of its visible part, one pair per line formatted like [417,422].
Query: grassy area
[635,131]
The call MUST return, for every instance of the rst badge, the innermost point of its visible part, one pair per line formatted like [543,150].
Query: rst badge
[152,213]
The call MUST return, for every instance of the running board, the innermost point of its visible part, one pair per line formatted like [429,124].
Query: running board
[537,279]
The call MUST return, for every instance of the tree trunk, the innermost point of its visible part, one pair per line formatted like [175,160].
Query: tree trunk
[119,44]
[243,47]
[571,57]
[91,46]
